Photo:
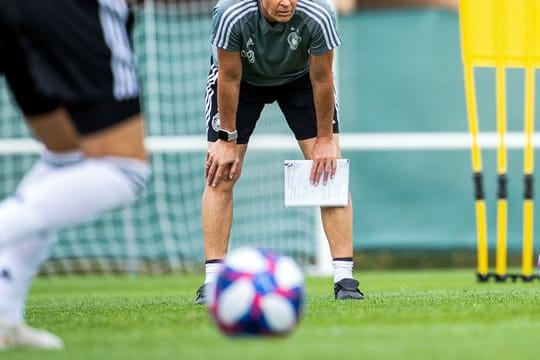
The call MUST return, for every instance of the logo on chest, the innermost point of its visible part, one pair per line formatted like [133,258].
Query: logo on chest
[294,39]
[248,53]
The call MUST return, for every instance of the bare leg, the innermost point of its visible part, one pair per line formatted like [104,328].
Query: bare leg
[337,221]
[338,227]
[55,130]
[217,213]
[57,133]
[125,139]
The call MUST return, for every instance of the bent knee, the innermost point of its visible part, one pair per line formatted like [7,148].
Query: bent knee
[225,185]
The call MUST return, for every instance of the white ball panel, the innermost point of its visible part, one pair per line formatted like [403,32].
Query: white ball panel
[288,274]
[235,301]
[278,313]
[246,260]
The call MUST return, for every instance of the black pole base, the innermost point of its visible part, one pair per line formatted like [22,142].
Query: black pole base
[485,278]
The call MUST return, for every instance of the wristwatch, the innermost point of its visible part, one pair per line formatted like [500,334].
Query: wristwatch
[227,135]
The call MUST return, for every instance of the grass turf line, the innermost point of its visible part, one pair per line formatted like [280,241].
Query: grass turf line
[407,314]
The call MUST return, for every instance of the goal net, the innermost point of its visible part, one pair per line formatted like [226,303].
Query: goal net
[162,231]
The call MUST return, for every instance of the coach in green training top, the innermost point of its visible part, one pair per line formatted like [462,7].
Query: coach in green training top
[266,51]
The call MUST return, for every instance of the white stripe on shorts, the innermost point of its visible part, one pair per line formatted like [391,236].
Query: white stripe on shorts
[113,15]
[212,79]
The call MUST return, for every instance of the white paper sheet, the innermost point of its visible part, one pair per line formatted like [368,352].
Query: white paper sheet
[300,192]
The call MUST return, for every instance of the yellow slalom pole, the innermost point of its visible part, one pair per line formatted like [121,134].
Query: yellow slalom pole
[465,14]
[500,41]
[480,204]
[502,203]
[528,154]
[528,150]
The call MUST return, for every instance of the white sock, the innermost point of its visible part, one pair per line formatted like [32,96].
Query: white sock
[20,261]
[342,269]
[212,270]
[71,194]
[49,161]
[19,265]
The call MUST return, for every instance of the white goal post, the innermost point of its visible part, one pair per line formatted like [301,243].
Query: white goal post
[382,141]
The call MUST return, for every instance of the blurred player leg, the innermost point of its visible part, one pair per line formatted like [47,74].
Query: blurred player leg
[113,173]
[20,261]
[69,103]
[19,264]
[62,190]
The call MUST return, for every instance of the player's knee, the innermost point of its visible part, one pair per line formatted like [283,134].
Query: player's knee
[231,182]
[225,185]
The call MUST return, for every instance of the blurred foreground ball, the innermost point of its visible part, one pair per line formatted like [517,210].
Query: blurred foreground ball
[258,293]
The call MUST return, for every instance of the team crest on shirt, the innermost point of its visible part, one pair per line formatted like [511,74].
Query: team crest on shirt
[294,39]
[215,122]
[248,53]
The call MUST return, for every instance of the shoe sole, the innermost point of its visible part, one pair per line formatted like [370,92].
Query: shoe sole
[350,296]
[199,302]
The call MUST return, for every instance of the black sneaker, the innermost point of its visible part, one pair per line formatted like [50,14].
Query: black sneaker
[347,289]
[201,295]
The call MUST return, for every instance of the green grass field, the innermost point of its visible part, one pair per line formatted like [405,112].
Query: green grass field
[406,315]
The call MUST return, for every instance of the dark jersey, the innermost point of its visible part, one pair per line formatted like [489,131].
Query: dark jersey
[279,53]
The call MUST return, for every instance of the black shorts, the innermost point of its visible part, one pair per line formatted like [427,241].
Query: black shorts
[70,53]
[295,99]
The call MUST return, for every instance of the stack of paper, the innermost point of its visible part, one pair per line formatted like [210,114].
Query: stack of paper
[300,192]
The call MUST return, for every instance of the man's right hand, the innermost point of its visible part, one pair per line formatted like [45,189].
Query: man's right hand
[221,162]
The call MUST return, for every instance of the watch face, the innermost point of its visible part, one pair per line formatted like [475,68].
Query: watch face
[227,136]
[222,135]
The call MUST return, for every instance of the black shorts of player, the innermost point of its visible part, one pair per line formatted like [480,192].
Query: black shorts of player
[295,99]
[74,54]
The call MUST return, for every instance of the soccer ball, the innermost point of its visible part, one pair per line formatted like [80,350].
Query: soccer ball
[258,292]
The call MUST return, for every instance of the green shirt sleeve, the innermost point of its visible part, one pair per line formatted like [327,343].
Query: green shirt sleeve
[226,25]
[322,21]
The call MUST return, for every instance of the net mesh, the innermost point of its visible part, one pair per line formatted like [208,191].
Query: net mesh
[162,231]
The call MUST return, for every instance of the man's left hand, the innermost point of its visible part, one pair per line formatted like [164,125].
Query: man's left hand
[324,160]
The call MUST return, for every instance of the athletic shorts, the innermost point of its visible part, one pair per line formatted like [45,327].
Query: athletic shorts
[295,99]
[74,54]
